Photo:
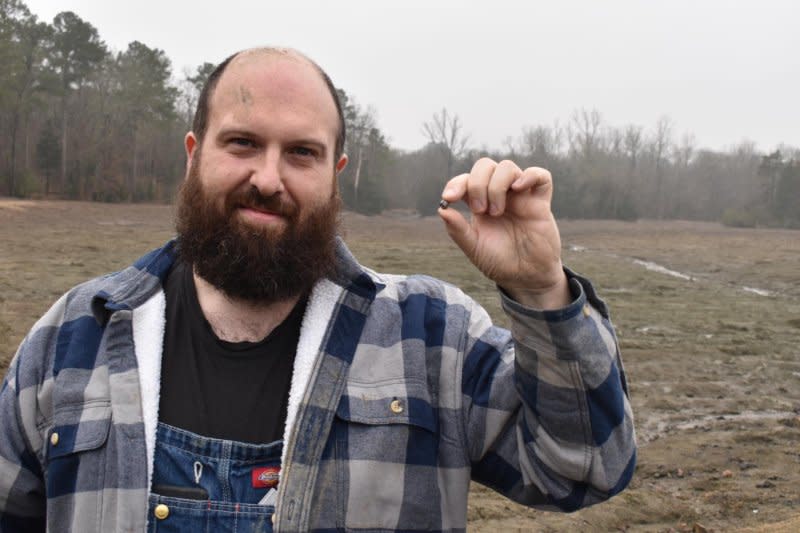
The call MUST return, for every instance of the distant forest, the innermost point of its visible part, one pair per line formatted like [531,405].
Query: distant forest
[80,121]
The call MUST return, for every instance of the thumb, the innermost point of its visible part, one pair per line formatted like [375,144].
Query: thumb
[459,230]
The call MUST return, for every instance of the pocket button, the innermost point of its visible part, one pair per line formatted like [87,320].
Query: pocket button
[162,511]
[396,406]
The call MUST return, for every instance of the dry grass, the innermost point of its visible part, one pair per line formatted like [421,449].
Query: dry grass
[714,368]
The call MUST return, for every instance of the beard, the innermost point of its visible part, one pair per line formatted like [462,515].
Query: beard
[256,264]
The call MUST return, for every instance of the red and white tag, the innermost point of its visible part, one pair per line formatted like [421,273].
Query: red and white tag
[266,477]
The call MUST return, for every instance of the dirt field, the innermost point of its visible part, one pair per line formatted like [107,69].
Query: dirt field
[708,319]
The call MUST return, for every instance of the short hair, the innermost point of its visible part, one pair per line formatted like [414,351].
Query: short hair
[200,121]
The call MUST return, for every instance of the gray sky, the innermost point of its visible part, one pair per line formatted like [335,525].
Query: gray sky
[723,70]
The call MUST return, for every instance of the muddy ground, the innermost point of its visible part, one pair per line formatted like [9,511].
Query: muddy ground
[708,319]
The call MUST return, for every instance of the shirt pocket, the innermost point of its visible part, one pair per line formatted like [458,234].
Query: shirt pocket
[76,448]
[388,456]
[404,402]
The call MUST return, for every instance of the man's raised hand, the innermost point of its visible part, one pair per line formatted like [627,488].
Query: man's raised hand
[512,236]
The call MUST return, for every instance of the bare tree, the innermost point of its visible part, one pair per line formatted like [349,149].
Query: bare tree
[510,146]
[190,87]
[542,142]
[584,132]
[616,141]
[684,151]
[633,145]
[362,124]
[632,142]
[446,130]
[660,145]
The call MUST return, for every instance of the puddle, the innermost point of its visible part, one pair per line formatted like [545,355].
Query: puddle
[661,269]
[760,292]
[658,331]
[657,425]
[655,267]
[613,290]
[120,222]
[744,416]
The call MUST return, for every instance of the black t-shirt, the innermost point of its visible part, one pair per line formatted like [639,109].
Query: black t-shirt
[226,390]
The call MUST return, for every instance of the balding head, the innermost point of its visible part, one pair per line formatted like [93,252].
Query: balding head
[203,111]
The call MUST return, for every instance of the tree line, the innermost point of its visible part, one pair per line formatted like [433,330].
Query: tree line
[80,121]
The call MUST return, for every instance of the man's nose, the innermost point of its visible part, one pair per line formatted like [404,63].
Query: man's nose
[266,176]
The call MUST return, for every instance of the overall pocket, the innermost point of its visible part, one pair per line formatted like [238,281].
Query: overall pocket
[178,515]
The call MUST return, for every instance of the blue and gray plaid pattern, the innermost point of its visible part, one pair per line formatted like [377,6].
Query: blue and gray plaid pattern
[413,394]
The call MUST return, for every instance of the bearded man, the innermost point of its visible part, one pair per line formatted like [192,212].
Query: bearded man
[251,375]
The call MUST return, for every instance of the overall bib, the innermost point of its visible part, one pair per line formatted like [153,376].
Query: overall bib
[202,484]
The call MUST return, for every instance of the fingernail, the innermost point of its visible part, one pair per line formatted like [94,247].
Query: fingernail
[477,205]
[493,209]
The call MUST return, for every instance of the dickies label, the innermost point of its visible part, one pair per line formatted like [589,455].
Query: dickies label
[266,477]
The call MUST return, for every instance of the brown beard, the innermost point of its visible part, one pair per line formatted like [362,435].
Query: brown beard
[258,265]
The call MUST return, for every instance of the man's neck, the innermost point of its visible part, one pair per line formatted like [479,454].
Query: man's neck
[235,320]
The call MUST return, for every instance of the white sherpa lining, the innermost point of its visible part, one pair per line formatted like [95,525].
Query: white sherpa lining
[148,337]
[320,307]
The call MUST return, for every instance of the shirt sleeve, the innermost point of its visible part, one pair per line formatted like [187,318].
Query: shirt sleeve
[547,416]
[22,493]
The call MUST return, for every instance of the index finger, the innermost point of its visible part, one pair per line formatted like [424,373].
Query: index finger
[455,189]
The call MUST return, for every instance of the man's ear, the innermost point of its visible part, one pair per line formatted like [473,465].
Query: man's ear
[341,164]
[190,144]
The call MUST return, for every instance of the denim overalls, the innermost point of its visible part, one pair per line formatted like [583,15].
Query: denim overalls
[212,484]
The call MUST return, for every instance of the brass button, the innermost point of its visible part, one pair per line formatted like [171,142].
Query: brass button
[54,438]
[162,511]
[396,406]
[273,518]
[587,310]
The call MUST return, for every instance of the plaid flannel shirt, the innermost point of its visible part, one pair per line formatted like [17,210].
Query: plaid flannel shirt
[412,393]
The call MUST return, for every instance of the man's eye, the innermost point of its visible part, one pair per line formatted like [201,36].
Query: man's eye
[303,151]
[241,141]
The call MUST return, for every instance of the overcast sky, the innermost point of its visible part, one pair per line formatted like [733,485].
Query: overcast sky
[724,70]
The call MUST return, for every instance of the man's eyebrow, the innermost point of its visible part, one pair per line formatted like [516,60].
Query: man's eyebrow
[242,132]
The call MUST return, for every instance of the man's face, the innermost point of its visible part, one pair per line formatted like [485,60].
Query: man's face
[258,210]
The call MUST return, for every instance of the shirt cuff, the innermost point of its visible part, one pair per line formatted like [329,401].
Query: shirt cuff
[569,333]
[582,292]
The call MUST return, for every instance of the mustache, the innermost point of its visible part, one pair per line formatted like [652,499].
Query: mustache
[253,199]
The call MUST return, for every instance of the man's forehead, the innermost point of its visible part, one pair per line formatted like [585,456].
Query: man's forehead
[280,74]
[254,55]
[272,68]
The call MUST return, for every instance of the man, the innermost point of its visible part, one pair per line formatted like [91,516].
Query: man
[251,374]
